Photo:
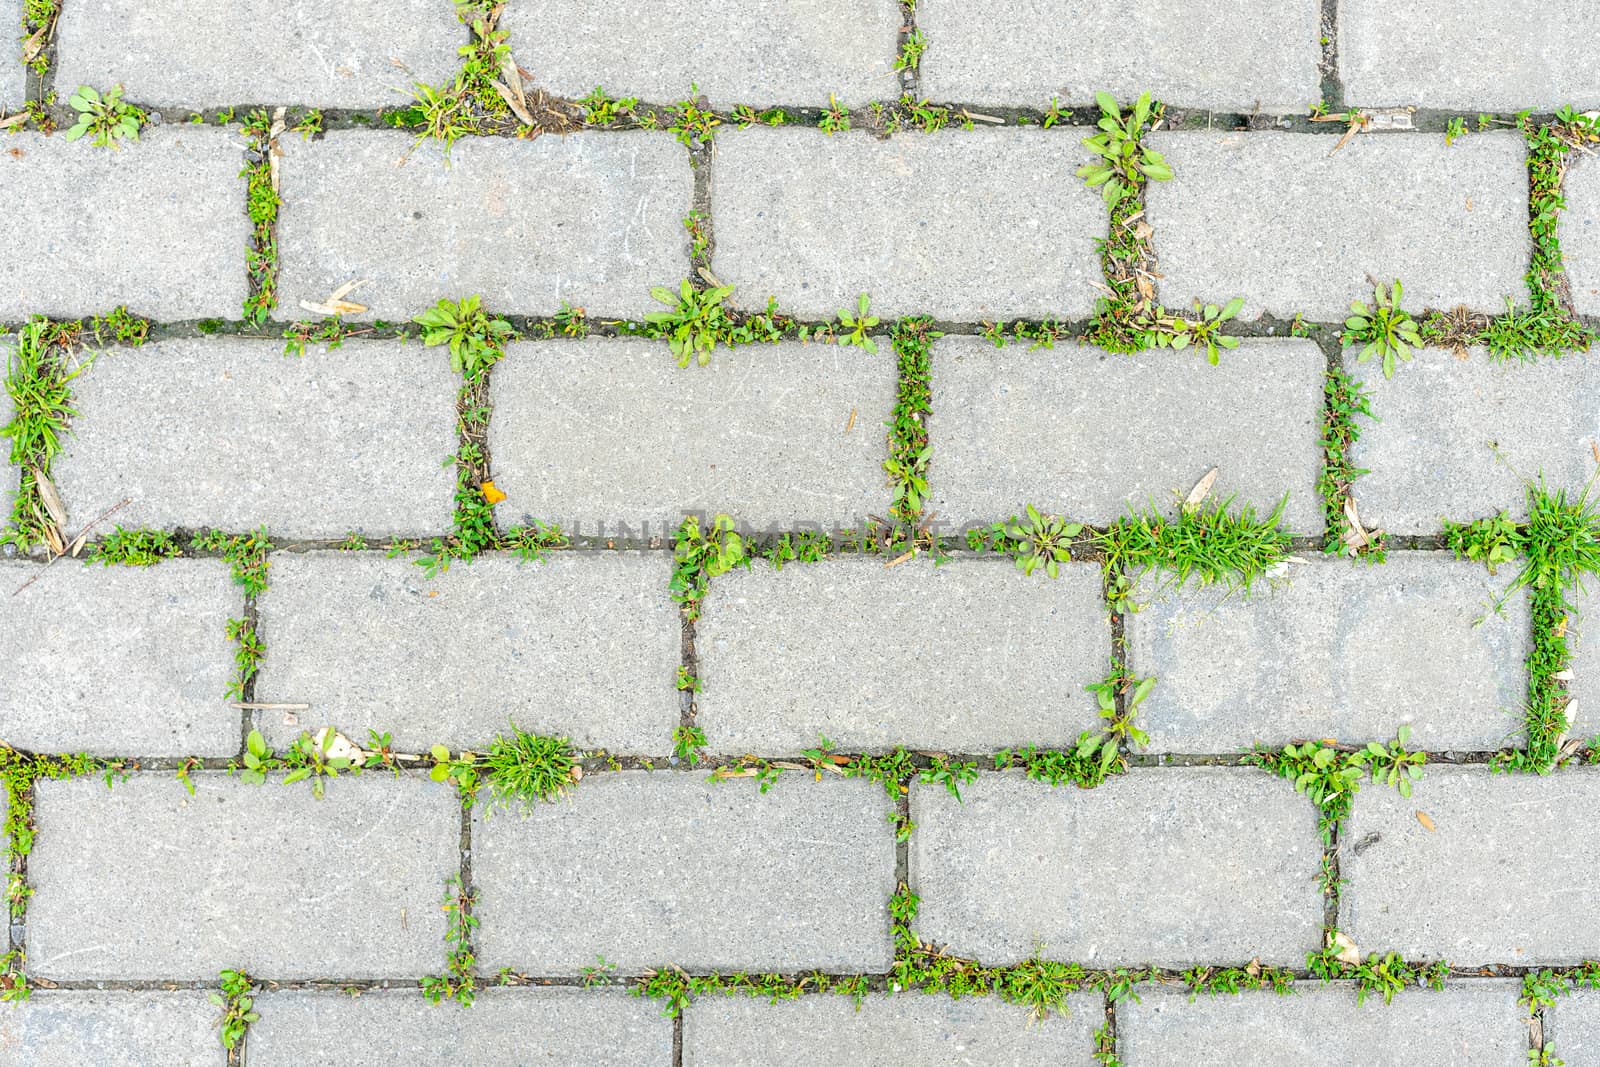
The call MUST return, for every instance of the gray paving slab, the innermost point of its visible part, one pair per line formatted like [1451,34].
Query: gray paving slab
[590,219]
[967,657]
[1579,230]
[1081,432]
[227,432]
[70,1027]
[1500,56]
[191,53]
[1460,439]
[1335,648]
[1505,875]
[615,432]
[13,74]
[118,661]
[735,52]
[962,226]
[1293,227]
[158,226]
[1583,639]
[1466,1024]
[606,1027]
[1258,54]
[651,868]
[1572,1027]
[1170,866]
[143,881]
[581,646]
[886,1031]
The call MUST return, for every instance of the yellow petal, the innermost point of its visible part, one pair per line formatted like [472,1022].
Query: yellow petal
[491,495]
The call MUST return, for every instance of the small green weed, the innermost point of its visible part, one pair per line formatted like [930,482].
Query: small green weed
[834,119]
[1383,330]
[459,981]
[700,556]
[858,325]
[134,548]
[247,553]
[1122,163]
[261,206]
[237,1001]
[1384,975]
[1343,400]
[1203,330]
[911,49]
[39,382]
[1456,128]
[601,109]
[104,117]
[909,451]
[120,326]
[476,340]
[692,123]
[696,322]
[688,744]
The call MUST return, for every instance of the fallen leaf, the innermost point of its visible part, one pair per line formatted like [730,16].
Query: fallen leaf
[1253,968]
[577,773]
[35,44]
[49,497]
[1426,821]
[1200,490]
[1348,952]
[516,106]
[491,494]
[335,745]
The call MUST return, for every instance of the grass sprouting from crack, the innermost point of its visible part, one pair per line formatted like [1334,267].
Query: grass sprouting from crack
[519,768]
[701,555]
[134,548]
[1380,974]
[1344,401]
[261,204]
[1558,548]
[459,981]
[39,381]
[1207,544]
[909,450]
[237,1001]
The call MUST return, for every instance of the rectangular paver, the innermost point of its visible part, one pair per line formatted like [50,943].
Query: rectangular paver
[124,661]
[191,53]
[1334,648]
[650,868]
[143,881]
[885,1031]
[585,646]
[159,226]
[1466,1024]
[1505,875]
[967,657]
[1239,57]
[732,51]
[590,219]
[66,1027]
[1078,431]
[228,432]
[1572,1027]
[1293,227]
[1172,867]
[615,432]
[1580,234]
[566,1027]
[1505,55]
[976,226]
[1459,438]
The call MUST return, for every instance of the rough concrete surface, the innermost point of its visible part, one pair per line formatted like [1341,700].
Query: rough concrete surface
[615,432]
[1166,867]
[1268,217]
[1334,648]
[1579,232]
[66,1027]
[967,657]
[968,227]
[228,433]
[1089,434]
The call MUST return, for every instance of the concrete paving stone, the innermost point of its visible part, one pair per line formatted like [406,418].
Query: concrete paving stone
[1080,432]
[1579,230]
[1572,1027]
[590,219]
[227,432]
[1335,648]
[583,646]
[959,226]
[1174,867]
[967,657]
[734,51]
[885,1031]
[1503,55]
[1278,220]
[70,1027]
[1583,638]
[158,226]
[1466,1024]
[143,881]
[118,660]
[13,74]
[1505,876]
[1459,439]
[650,868]
[603,1027]
[614,432]
[191,53]
[1259,54]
